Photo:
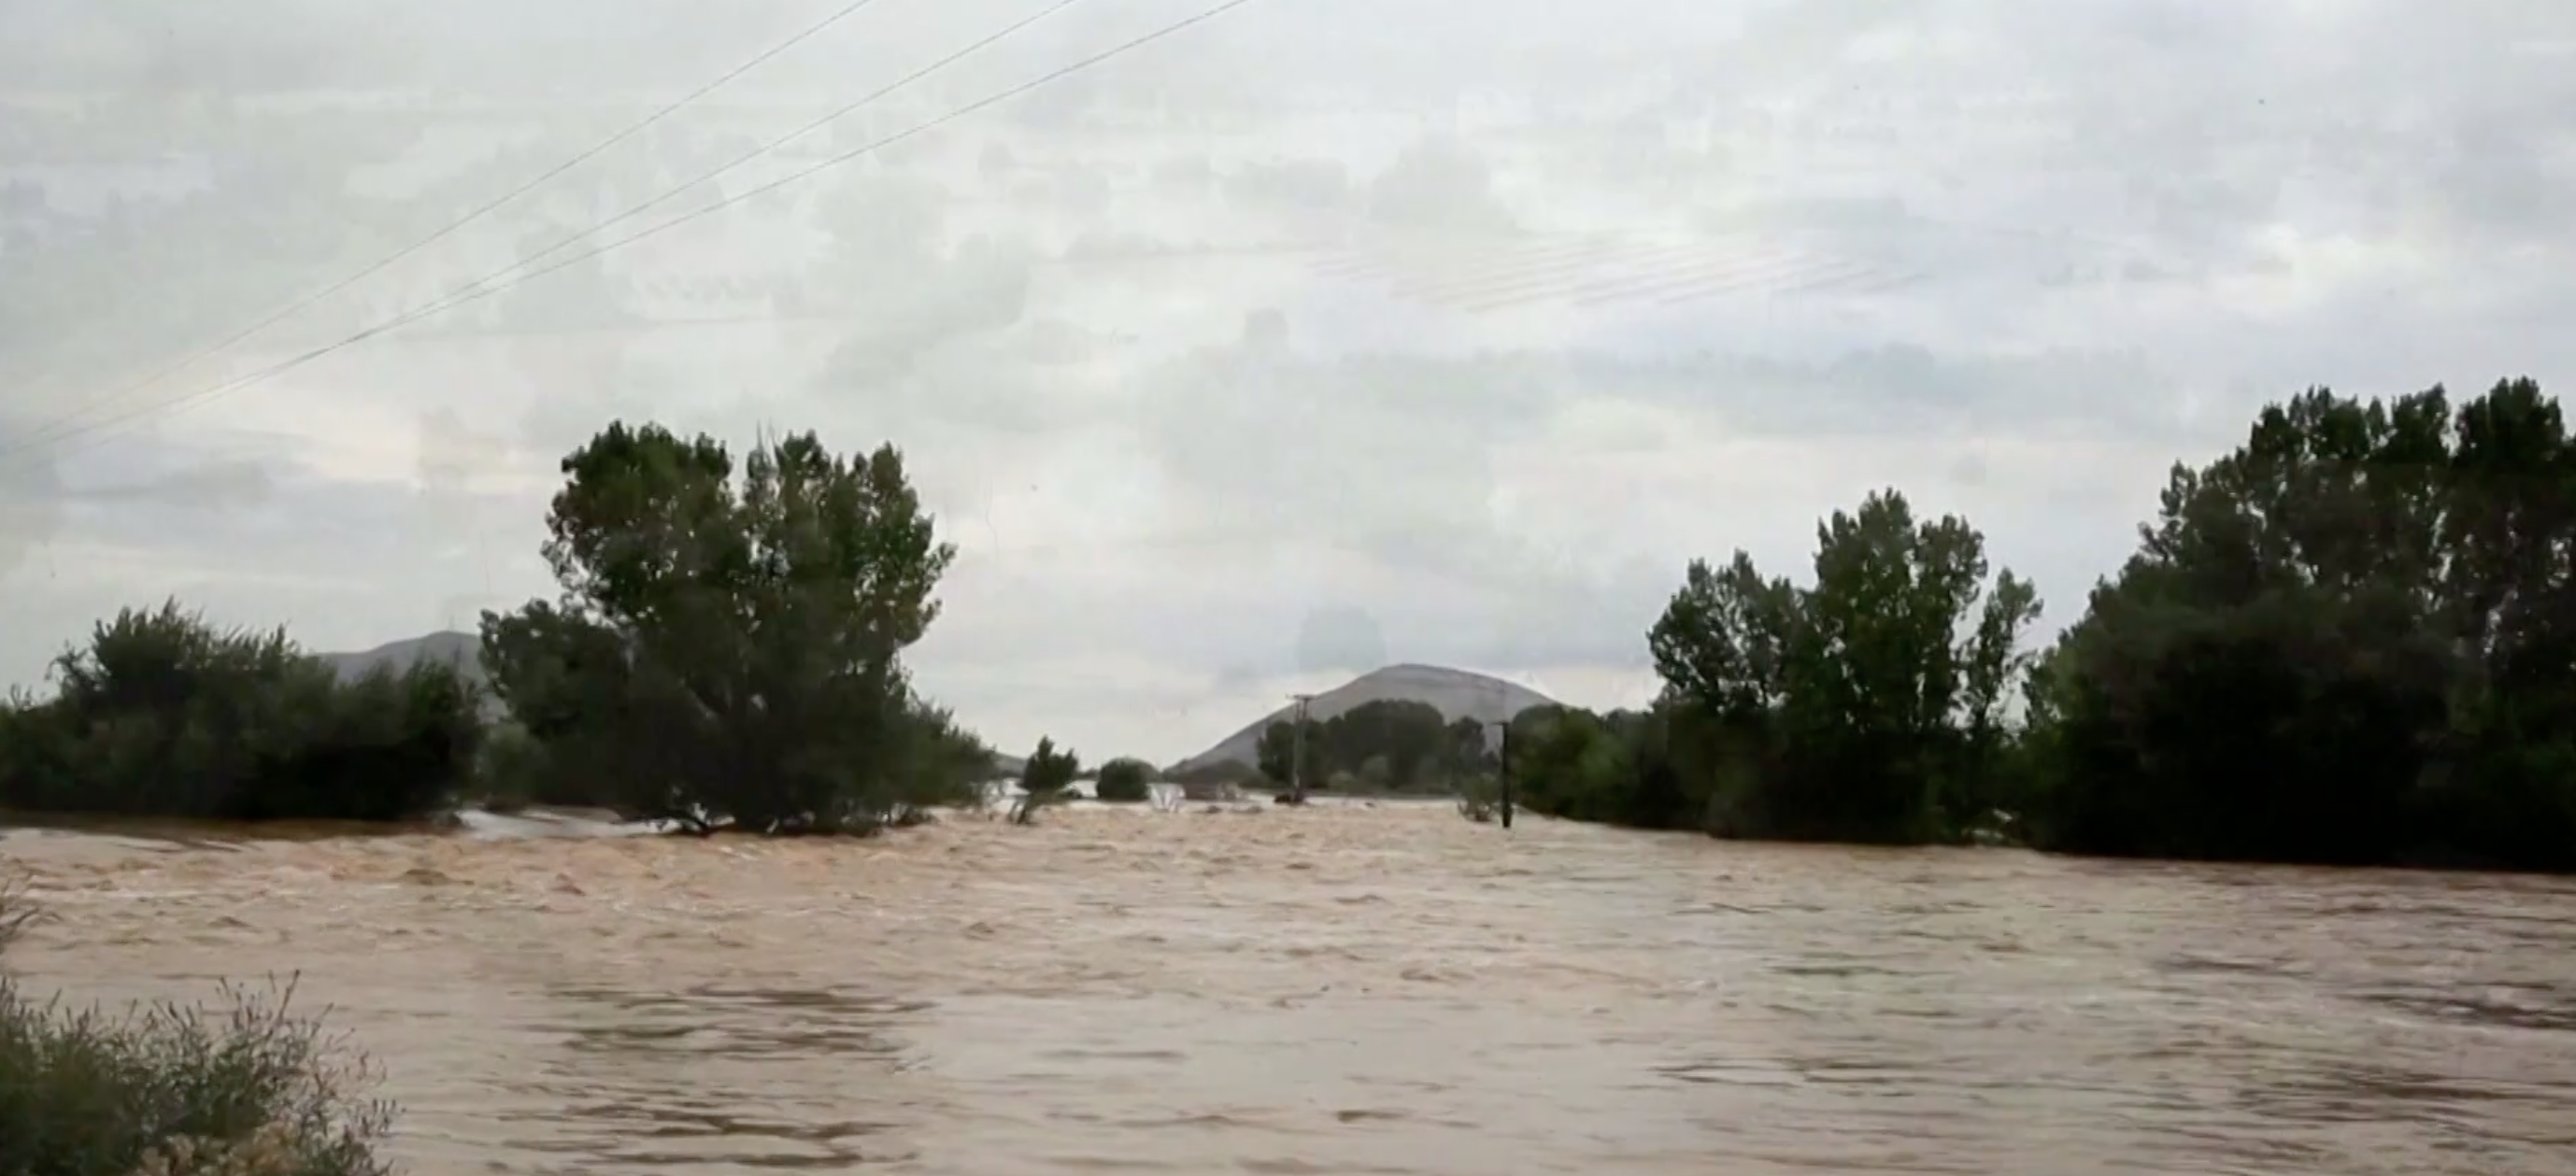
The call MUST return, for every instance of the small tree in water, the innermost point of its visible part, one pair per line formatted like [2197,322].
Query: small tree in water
[1047,778]
[730,648]
[1125,779]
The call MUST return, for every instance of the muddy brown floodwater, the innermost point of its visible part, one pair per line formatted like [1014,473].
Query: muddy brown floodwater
[1345,991]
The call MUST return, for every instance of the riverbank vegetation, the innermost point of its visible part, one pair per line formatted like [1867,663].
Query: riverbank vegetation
[2350,640]
[727,644]
[167,1090]
[1380,746]
[725,651]
[1125,780]
[1046,778]
[163,714]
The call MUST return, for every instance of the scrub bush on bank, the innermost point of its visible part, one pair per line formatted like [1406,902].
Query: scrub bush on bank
[166,1090]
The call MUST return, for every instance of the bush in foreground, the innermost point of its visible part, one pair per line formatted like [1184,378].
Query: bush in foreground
[168,1091]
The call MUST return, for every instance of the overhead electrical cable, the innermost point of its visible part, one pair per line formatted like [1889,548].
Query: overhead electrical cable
[39,434]
[480,289]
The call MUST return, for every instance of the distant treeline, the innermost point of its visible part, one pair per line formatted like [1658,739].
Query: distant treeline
[2351,640]
[727,648]
[1381,745]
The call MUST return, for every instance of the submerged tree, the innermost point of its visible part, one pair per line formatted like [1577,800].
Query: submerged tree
[1045,778]
[1126,779]
[729,647]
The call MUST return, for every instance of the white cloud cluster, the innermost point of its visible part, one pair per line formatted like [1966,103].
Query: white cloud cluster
[1298,348]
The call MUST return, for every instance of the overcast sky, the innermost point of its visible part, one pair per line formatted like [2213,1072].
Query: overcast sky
[1568,295]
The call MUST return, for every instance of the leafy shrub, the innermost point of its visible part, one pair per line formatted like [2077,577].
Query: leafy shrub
[167,1091]
[163,714]
[1044,780]
[1125,780]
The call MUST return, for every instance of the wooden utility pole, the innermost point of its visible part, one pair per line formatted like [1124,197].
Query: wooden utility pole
[1297,750]
[1503,768]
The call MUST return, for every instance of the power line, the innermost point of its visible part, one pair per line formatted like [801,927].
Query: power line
[38,435]
[476,291]
[782,140]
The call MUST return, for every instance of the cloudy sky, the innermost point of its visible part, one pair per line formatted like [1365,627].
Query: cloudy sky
[1323,335]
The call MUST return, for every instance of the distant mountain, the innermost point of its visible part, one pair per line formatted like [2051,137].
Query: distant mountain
[1456,694]
[462,650]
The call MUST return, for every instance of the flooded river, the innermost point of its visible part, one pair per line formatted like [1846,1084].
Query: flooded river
[1355,991]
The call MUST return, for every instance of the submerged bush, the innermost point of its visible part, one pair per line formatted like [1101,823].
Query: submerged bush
[171,1091]
[1046,778]
[1124,780]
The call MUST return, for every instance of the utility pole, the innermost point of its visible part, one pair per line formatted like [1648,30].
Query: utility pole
[1297,750]
[1503,768]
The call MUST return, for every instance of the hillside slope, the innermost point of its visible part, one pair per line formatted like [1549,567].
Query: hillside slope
[1455,693]
[463,650]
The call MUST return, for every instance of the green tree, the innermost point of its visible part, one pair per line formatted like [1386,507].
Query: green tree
[1619,768]
[729,647]
[1125,779]
[1277,753]
[1405,735]
[1464,750]
[1867,704]
[2348,640]
[1046,778]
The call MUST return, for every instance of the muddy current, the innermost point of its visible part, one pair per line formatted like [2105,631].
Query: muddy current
[1345,991]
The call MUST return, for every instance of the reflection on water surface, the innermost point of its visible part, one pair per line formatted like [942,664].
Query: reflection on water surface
[1361,990]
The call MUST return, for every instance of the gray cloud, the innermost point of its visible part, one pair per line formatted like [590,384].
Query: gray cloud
[1326,334]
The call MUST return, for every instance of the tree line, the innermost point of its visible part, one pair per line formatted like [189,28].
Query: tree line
[2350,640]
[1380,745]
[726,648]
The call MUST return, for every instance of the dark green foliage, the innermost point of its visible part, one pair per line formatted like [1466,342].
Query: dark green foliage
[1864,707]
[1046,778]
[2351,640]
[727,647]
[1279,756]
[1619,768]
[1385,745]
[1125,780]
[166,1090]
[165,715]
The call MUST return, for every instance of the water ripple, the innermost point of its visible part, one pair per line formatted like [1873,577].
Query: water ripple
[1348,990]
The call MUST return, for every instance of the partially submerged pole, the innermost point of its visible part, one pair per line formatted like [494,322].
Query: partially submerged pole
[1297,751]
